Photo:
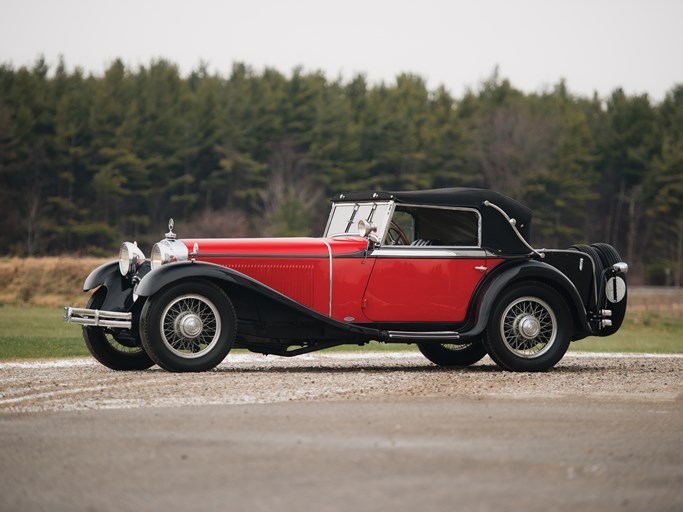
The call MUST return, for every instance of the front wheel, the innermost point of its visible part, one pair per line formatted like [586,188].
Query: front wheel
[453,354]
[188,327]
[529,329]
[113,350]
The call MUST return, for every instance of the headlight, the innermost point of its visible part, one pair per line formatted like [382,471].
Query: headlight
[168,251]
[130,258]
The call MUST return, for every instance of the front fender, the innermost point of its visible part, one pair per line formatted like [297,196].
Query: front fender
[167,274]
[229,278]
[101,275]
[119,289]
[526,271]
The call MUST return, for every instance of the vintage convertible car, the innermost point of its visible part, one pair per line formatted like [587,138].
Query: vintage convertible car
[451,270]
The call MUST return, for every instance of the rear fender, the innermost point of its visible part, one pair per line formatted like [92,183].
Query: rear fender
[528,270]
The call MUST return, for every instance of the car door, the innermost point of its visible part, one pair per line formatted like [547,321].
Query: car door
[422,284]
[432,275]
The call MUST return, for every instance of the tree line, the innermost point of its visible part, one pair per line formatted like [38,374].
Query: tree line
[87,161]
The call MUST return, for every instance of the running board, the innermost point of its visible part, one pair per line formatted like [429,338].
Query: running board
[424,335]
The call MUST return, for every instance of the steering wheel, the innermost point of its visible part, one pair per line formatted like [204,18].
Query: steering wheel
[396,236]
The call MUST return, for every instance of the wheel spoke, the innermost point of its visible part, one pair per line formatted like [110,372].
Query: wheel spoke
[528,327]
[190,326]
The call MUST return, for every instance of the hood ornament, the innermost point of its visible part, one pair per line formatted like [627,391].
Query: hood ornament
[170,235]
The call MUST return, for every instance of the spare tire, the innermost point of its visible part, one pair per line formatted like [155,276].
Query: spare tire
[613,301]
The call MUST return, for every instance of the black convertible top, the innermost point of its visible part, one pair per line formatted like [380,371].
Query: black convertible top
[497,234]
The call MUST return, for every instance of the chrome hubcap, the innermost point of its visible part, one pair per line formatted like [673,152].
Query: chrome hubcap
[529,327]
[189,325]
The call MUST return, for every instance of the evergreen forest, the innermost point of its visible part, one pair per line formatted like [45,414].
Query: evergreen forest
[87,161]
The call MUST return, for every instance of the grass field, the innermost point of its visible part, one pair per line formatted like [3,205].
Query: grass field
[39,332]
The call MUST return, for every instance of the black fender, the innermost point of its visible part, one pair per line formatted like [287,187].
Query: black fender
[101,275]
[235,282]
[119,289]
[527,270]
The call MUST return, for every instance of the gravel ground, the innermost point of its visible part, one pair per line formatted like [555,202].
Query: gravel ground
[83,384]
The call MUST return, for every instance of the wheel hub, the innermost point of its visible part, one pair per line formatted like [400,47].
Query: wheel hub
[189,325]
[529,327]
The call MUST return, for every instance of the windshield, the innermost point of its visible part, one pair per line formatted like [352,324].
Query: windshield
[345,216]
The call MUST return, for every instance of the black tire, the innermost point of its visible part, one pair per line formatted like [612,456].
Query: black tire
[188,326]
[608,254]
[118,355]
[453,354]
[529,329]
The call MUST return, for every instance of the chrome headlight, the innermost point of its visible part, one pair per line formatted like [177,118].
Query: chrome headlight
[130,258]
[168,251]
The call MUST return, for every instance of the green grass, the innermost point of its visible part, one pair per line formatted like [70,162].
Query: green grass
[38,332]
[646,333]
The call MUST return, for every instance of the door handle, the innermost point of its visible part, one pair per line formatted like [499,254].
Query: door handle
[481,268]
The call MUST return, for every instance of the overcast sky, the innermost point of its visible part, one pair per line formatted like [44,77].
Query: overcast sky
[595,45]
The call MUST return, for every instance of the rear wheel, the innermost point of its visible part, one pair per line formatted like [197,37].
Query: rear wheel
[453,354]
[188,327]
[113,350]
[529,329]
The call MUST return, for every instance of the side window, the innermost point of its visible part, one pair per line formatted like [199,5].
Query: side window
[406,223]
[445,227]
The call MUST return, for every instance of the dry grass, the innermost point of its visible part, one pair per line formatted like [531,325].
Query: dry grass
[51,282]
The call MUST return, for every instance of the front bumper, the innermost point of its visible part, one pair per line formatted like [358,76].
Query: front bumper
[98,318]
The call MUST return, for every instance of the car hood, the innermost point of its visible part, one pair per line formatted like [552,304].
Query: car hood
[311,247]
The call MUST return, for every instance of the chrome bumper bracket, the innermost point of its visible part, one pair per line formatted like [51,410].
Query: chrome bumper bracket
[98,318]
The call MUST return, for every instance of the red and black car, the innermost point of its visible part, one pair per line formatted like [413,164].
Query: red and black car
[451,270]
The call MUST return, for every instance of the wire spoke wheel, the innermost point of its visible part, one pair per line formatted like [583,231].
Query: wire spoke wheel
[529,327]
[120,346]
[190,326]
[453,354]
[118,350]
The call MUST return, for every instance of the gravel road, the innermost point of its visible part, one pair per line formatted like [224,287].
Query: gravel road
[243,378]
[349,431]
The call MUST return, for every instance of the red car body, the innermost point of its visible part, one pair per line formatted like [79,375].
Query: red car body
[451,270]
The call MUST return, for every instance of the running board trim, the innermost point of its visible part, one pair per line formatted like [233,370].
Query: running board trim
[424,335]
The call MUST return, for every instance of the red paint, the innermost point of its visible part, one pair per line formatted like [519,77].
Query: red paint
[364,288]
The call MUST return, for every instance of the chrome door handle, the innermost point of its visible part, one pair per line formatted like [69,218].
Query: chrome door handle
[481,268]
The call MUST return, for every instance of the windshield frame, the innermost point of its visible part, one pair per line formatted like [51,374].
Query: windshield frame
[377,214]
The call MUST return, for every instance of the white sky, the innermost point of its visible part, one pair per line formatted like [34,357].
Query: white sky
[596,45]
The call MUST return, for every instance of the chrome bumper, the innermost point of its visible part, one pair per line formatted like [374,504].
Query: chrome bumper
[98,318]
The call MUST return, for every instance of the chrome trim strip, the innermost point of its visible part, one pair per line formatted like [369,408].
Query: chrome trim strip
[98,318]
[329,251]
[442,335]
[429,252]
